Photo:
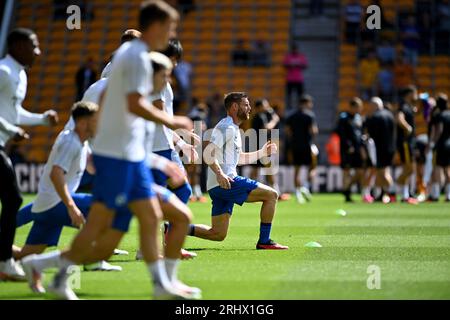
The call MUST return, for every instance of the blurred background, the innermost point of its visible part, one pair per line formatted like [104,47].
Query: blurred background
[272,49]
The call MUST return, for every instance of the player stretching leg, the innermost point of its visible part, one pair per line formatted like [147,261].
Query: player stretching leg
[57,205]
[224,185]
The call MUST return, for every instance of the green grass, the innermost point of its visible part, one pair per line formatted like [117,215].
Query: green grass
[410,244]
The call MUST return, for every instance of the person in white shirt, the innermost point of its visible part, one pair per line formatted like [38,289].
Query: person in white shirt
[123,181]
[165,141]
[23,48]
[225,187]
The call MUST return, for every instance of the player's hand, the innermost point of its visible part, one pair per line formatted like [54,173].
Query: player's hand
[21,135]
[181,122]
[269,148]
[224,181]
[76,216]
[52,117]
[190,152]
[175,174]
[195,137]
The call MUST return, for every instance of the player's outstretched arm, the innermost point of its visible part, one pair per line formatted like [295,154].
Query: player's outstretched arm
[251,157]
[59,182]
[138,105]
[49,117]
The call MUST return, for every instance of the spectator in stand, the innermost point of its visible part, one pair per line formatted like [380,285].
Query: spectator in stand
[86,75]
[386,52]
[386,82]
[353,15]
[294,62]
[216,109]
[183,73]
[260,54]
[368,70]
[240,55]
[403,73]
[411,40]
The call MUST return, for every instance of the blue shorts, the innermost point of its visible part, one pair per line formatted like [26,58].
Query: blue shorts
[119,182]
[48,224]
[160,177]
[223,200]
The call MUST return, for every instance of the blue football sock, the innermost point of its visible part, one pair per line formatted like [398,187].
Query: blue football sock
[191,230]
[264,232]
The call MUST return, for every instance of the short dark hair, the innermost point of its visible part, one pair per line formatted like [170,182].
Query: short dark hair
[407,90]
[355,102]
[18,35]
[82,109]
[234,97]
[259,102]
[305,99]
[155,11]
[129,35]
[174,49]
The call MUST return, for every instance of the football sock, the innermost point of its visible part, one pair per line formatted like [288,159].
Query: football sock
[198,191]
[264,232]
[191,230]
[366,191]
[447,188]
[47,260]
[377,192]
[171,268]
[405,191]
[159,275]
[435,190]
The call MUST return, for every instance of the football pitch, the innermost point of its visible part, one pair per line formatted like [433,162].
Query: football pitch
[400,251]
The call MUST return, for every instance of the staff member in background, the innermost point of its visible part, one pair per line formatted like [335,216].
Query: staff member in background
[350,131]
[301,128]
[23,48]
[265,118]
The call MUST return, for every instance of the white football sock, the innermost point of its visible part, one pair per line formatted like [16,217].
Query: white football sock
[277,187]
[435,190]
[405,191]
[159,275]
[447,188]
[171,268]
[377,192]
[366,191]
[47,260]
[198,191]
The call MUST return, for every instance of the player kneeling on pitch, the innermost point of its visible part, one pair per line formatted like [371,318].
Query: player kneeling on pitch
[57,205]
[225,187]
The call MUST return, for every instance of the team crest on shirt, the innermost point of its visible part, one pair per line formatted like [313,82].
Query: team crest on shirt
[121,200]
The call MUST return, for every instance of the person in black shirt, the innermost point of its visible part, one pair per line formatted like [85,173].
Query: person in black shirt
[435,185]
[301,128]
[265,118]
[440,140]
[406,141]
[381,128]
[353,154]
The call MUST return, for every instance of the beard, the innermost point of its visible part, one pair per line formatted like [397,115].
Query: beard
[242,115]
